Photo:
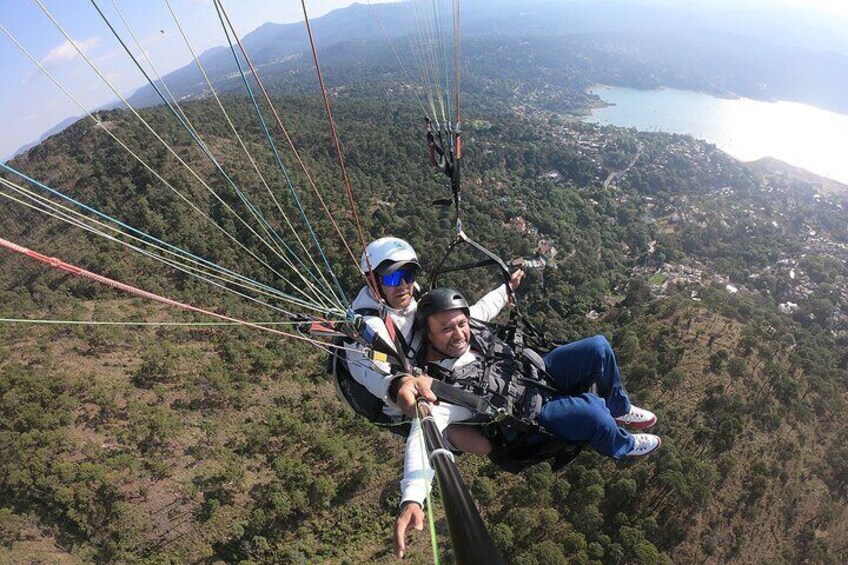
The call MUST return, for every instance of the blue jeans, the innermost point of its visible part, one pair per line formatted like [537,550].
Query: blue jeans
[579,416]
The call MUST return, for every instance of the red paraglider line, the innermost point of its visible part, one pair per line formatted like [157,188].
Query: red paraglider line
[370,281]
[80,272]
[286,134]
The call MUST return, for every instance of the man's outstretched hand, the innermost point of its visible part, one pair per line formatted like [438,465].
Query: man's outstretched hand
[411,390]
[411,515]
[515,279]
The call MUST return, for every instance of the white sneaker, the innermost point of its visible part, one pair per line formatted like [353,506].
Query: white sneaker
[638,418]
[644,444]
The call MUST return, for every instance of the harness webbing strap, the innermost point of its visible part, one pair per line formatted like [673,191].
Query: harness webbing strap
[360,332]
[488,363]
[399,342]
[464,398]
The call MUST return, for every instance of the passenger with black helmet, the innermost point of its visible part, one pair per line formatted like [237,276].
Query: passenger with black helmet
[511,392]
[391,265]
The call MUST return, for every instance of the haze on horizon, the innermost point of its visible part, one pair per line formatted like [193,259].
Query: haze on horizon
[30,104]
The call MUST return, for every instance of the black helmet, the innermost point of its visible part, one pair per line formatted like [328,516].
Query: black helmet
[440,300]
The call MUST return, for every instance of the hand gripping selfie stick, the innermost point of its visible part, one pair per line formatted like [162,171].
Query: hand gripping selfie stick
[470,540]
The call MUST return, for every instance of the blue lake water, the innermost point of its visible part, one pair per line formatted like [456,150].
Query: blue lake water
[801,135]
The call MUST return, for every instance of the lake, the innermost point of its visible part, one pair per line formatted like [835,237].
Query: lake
[801,135]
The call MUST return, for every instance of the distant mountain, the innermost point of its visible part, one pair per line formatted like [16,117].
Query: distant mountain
[274,43]
[58,128]
[759,53]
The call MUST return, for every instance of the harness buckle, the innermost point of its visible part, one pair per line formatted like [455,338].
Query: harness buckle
[500,415]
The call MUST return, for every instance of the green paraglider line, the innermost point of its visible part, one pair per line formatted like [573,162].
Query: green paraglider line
[222,16]
[129,289]
[204,148]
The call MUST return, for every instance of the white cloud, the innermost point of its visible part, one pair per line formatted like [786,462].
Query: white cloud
[114,55]
[28,76]
[67,52]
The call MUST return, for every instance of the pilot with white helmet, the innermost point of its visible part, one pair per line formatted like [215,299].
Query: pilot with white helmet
[392,266]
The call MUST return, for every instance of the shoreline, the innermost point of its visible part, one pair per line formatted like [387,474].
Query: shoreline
[800,135]
[726,95]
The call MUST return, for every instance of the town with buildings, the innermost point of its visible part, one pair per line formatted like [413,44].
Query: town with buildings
[668,214]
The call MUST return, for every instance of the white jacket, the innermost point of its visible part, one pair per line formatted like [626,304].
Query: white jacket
[417,471]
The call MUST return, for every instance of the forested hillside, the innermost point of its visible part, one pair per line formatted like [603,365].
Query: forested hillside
[766,52]
[217,444]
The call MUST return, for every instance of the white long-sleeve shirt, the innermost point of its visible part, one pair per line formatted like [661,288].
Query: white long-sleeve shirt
[417,471]
[376,376]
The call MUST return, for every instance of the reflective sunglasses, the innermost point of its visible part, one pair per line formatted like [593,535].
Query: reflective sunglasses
[406,275]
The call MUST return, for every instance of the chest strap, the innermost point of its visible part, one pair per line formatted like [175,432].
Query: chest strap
[480,406]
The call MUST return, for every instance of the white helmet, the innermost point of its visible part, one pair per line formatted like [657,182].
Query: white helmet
[388,254]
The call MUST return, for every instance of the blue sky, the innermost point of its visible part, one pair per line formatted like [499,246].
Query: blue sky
[31,104]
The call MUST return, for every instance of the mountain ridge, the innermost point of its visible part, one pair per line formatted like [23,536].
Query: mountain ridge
[825,184]
[814,59]
[812,69]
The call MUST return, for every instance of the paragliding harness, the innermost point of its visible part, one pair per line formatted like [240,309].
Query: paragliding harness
[518,440]
[505,412]
[505,391]
[354,394]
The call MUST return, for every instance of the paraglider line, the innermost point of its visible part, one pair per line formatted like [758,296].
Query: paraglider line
[286,134]
[219,8]
[265,226]
[77,271]
[239,139]
[371,283]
